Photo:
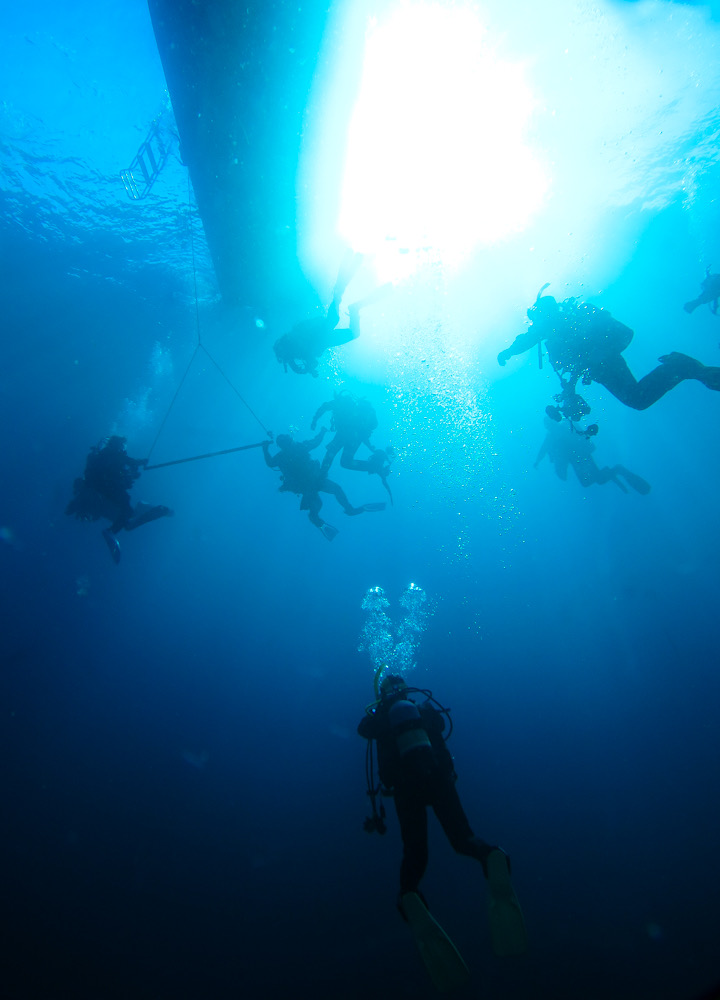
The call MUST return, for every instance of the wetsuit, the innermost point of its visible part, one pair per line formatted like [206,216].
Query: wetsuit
[586,341]
[415,763]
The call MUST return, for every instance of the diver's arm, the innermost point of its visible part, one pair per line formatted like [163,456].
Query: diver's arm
[270,461]
[319,413]
[369,727]
[523,342]
[312,444]
[135,465]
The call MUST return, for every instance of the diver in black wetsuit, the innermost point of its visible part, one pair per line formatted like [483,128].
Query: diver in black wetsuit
[303,476]
[104,491]
[416,767]
[584,342]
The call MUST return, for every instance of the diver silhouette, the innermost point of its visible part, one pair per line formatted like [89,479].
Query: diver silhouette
[568,447]
[585,342]
[104,492]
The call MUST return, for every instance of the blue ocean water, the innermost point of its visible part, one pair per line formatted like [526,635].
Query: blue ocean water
[184,788]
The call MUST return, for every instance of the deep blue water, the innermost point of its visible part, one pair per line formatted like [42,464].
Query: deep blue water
[183,787]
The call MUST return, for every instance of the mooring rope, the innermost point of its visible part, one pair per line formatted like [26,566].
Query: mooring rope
[198,347]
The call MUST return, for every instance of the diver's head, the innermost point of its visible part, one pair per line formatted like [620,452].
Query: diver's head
[115,443]
[283,440]
[392,686]
[591,430]
[545,308]
[554,413]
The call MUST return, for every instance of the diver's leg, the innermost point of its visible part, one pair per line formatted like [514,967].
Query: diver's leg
[451,815]
[412,817]
[639,484]
[673,369]
[507,926]
[588,473]
[119,511]
[338,337]
[331,450]
[355,307]
[328,486]
[312,503]
[348,460]
[606,475]
[345,335]
[145,512]
[348,268]
[376,295]
[331,320]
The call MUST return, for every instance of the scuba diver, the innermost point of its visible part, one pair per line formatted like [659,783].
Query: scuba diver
[303,476]
[104,491]
[584,342]
[569,446]
[417,769]
[353,420]
[710,293]
[301,348]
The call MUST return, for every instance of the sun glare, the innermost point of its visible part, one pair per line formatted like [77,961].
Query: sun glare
[436,160]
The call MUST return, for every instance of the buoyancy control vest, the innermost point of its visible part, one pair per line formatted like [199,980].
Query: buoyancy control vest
[585,336]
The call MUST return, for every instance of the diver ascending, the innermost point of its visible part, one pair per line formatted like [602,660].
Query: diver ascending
[416,767]
[584,342]
[104,491]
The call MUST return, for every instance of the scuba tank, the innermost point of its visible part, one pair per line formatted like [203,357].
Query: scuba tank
[407,727]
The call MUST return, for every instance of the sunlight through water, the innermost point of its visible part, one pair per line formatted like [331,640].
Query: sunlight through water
[436,161]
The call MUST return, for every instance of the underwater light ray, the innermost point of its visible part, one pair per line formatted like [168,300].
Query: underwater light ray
[436,157]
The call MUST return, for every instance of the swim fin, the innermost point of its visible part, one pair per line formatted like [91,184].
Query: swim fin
[441,958]
[372,507]
[639,484]
[113,545]
[684,365]
[507,924]
[328,531]
[145,512]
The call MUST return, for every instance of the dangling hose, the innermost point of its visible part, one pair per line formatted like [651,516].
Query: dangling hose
[376,822]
